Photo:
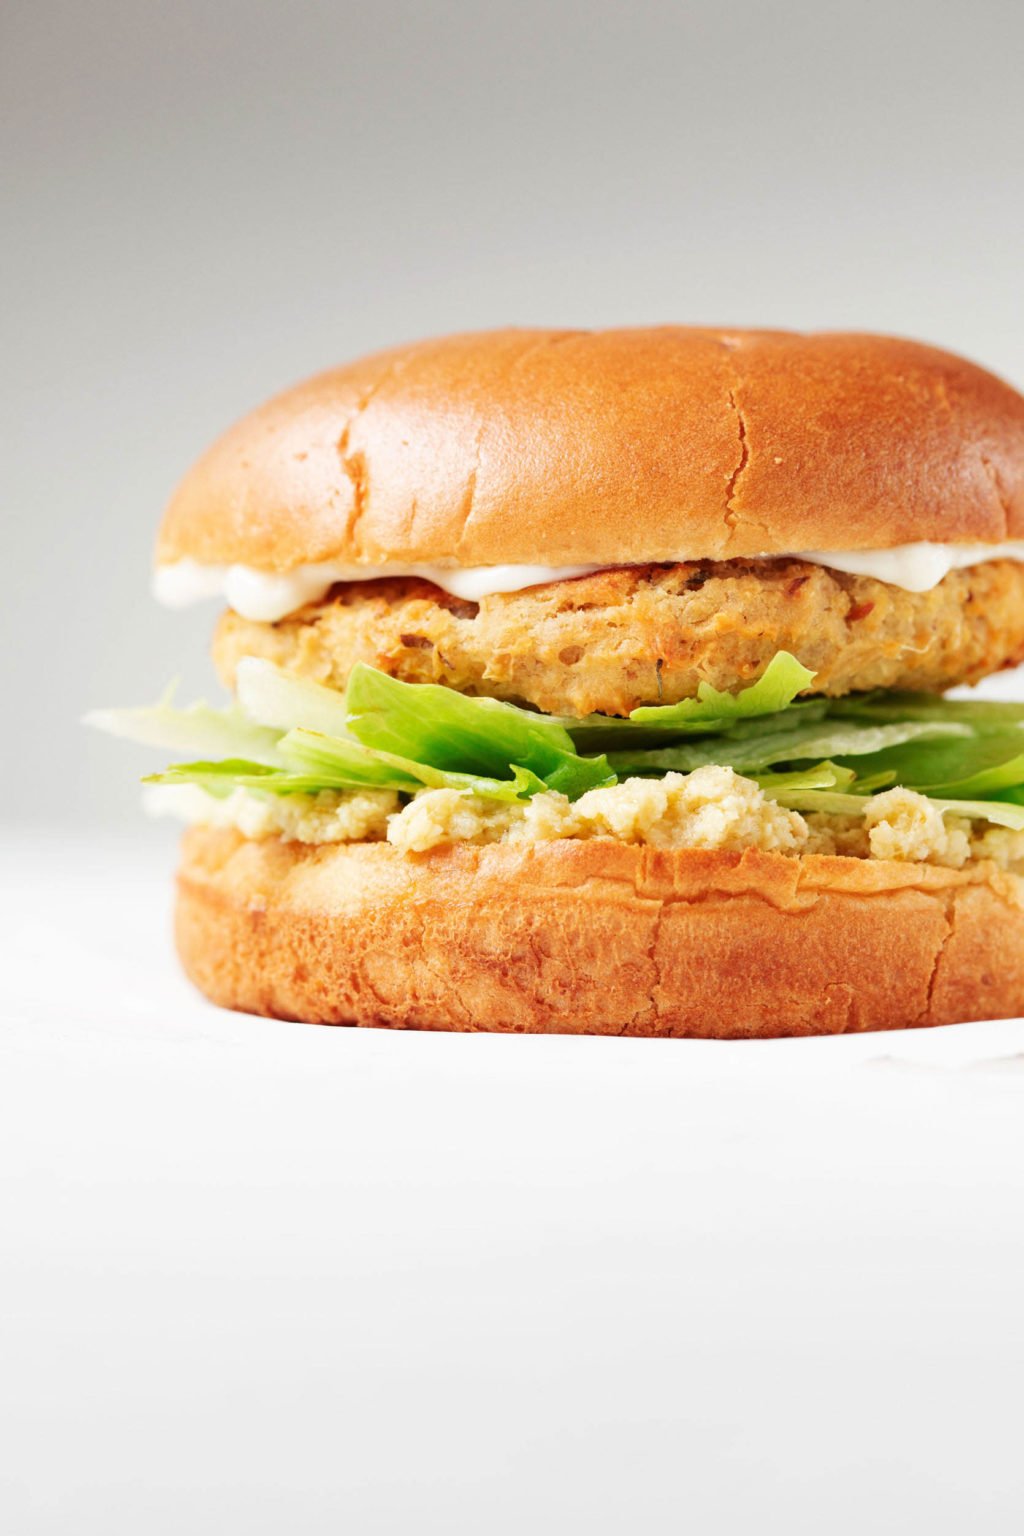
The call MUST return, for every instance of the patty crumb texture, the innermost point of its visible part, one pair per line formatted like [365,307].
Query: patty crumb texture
[635,635]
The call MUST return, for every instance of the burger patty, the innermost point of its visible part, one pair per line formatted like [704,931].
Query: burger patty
[634,635]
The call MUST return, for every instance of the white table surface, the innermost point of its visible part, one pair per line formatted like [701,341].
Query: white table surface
[260,1277]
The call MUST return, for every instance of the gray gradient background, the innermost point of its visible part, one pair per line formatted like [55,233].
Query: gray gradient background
[204,201]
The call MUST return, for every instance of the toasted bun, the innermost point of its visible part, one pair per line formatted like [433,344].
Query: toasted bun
[611,447]
[595,937]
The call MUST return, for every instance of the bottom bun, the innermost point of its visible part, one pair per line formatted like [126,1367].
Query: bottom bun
[596,937]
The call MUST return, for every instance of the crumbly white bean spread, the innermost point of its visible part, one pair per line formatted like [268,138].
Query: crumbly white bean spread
[711,808]
[328,817]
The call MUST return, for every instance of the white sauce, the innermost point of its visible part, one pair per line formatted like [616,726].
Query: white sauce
[914,567]
[266,596]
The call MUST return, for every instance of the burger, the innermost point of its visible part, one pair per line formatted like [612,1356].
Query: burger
[596,682]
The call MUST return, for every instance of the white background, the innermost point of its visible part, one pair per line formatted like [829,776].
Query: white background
[260,1278]
[206,200]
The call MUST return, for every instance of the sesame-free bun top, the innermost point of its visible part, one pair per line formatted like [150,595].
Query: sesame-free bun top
[611,447]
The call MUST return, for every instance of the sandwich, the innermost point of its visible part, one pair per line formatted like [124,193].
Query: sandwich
[598,682]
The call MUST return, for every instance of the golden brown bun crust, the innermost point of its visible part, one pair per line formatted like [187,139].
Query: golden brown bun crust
[610,447]
[595,937]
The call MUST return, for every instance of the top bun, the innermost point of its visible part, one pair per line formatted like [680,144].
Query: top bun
[611,447]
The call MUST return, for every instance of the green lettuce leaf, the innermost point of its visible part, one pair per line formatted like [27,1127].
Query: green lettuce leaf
[222,778]
[711,712]
[778,686]
[971,769]
[823,776]
[341,760]
[883,707]
[273,697]
[198,729]
[437,726]
[326,769]
[810,742]
[289,735]
[344,758]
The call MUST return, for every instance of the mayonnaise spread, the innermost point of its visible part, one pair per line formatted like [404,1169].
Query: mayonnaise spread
[267,596]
